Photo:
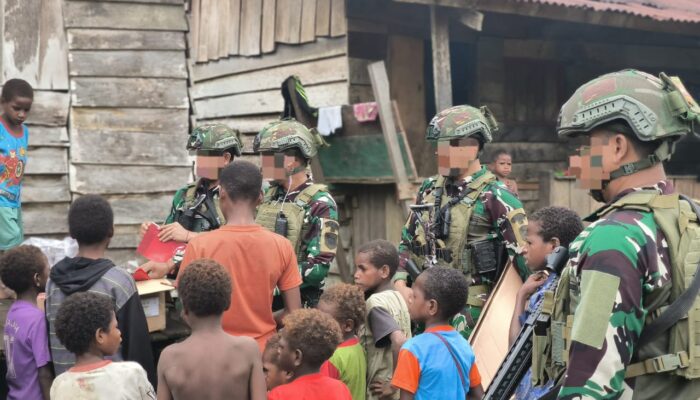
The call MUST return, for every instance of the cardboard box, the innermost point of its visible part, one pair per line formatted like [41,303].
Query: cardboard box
[152,293]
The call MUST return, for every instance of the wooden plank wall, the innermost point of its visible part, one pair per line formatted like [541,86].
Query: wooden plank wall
[34,49]
[224,28]
[129,113]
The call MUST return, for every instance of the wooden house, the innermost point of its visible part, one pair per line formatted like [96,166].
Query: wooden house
[520,58]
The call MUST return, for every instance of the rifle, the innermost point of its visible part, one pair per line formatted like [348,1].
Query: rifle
[428,229]
[519,357]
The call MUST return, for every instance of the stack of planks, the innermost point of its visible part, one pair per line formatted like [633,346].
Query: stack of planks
[223,28]
[129,112]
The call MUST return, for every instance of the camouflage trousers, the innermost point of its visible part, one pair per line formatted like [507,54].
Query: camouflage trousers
[465,321]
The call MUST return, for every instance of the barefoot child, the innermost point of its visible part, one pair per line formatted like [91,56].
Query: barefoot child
[87,326]
[346,304]
[439,363]
[308,339]
[203,365]
[548,228]
[387,321]
[274,375]
[25,269]
[501,166]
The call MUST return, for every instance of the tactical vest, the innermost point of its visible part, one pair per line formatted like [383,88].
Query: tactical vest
[465,227]
[677,351]
[199,219]
[380,360]
[294,211]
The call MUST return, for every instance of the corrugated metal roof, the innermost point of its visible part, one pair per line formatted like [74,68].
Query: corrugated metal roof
[660,10]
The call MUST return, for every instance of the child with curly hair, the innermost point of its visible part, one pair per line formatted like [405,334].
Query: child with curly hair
[202,367]
[25,270]
[346,304]
[274,374]
[87,326]
[308,339]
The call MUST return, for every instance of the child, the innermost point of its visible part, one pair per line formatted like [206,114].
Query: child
[439,363]
[274,375]
[387,321]
[16,101]
[501,167]
[346,304]
[90,222]
[25,269]
[201,366]
[548,228]
[256,259]
[308,339]
[87,326]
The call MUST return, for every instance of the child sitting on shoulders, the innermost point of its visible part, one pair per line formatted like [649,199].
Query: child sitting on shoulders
[274,375]
[387,321]
[547,229]
[439,363]
[501,166]
[346,304]
[25,270]
[308,339]
[203,365]
[87,326]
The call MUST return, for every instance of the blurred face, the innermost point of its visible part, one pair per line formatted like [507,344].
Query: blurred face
[593,164]
[503,165]
[367,275]
[108,341]
[419,307]
[274,376]
[278,167]
[536,249]
[17,109]
[455,156]
[210,166]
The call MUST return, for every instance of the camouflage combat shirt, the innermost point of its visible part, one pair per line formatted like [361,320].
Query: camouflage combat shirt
[313,263]
[620,270]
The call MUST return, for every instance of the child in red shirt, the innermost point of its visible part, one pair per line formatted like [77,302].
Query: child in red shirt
[309,338]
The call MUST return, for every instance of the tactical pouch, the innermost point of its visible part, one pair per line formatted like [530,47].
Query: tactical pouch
[485,256]
[186,219]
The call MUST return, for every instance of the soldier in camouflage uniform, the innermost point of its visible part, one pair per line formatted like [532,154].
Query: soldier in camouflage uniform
[477,224]
[195,207]
[294,206]
[621,274]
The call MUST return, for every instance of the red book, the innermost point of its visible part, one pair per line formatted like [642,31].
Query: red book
[153,249]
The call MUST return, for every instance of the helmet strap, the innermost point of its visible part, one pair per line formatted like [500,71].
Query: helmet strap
[662,153]
[296,170]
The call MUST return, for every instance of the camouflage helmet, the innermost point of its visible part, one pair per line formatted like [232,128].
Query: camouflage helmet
[461,122]
[653,108]
[287,134]
[215,138]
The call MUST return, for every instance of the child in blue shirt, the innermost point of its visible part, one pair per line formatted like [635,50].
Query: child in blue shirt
[548,228]
[16,101]
[439,363]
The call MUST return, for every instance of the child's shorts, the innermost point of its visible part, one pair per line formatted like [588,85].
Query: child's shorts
[11,232]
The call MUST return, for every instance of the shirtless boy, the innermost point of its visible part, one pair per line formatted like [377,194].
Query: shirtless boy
[210,364]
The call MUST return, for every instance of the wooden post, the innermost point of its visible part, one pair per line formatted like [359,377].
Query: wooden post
[440,41]
[380,88]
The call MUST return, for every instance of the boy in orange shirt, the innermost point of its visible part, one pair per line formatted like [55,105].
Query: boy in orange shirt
[256,259]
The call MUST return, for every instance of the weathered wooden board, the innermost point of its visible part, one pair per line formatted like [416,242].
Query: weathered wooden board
[440,40]
[93,14]
[119,179]
[202,44]
[53,48]
[45,189]
[128,63]
[49,108]
[308,21]
[20,40]
[267,39]
[225,28]
[193,36]
[129,92]
[284,55]
[136,208]
[527,152]
[338,20]
[235,28]
[313,72]
[47,160]
[84,121]
[213,25]
[147,1]
[357,70]
[323,17]
[125,237]
[52,136]
[119,148]
[288,21]
[251,27]
[45,218]
[268,101]
[108,39]
[248,125]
